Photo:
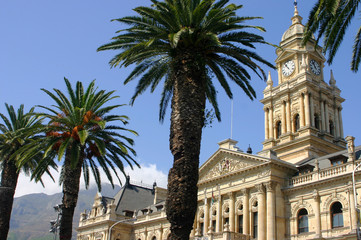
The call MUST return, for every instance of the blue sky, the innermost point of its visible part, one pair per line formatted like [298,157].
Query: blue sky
[44,41]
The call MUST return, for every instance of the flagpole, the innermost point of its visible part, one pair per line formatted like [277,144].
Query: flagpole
[231,118]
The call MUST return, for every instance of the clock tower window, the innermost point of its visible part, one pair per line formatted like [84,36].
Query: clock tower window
[278,129]
[332,128]
[296,122]
[317,121]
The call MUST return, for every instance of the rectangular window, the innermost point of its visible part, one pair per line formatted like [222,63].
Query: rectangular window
[255,224]
[214,225]
[240,223]
[201,226]
[337,220]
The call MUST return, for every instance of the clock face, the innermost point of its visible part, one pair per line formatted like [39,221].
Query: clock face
[315,67]
[288,68]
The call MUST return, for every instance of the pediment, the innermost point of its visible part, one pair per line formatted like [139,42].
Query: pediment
[286,53]
[225,162]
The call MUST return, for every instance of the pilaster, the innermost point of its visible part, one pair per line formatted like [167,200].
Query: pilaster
[261,212]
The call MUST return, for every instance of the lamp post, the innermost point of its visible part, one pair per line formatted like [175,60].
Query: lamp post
[121,221]
[355,200]
[54,224]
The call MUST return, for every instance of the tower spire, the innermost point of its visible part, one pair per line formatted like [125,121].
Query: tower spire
[296,10]
[296,17]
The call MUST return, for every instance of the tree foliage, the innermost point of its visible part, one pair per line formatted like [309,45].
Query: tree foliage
[218,38]
[82,134]
[330,19]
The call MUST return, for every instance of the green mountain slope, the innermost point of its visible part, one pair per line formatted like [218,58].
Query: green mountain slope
[32,213]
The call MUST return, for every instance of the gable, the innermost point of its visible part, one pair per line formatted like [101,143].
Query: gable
[225,162]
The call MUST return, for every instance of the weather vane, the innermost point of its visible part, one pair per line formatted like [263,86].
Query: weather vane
[295,3]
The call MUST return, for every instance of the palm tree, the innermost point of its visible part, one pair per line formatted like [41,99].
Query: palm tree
[79,129]
[186,43]
[17,131]
[331,19]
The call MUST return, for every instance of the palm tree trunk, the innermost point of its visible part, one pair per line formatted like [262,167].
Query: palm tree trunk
[187,119]
[9,179]
[70,196]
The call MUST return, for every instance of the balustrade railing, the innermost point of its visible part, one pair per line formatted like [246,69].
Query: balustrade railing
[321,174]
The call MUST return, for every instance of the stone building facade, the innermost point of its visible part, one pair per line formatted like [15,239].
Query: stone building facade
[299,186]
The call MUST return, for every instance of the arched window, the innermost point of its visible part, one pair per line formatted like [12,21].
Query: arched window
[302,221]
[332,128]
[317,121]
[297,122]
[336,215]
[154,238]
[278,129]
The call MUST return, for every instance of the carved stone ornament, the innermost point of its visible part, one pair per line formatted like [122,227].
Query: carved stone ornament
[299,205]
[264,173]
[98,235]
[260,188]
[270,186]
[225,166]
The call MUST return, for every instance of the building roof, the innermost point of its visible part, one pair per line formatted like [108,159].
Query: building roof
[327,158]
[133,197]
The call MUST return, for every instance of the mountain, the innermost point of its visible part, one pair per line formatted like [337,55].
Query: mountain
[31,214]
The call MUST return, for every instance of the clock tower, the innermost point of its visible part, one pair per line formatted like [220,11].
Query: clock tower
[302,113]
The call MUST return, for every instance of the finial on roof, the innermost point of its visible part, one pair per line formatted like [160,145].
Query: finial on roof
[332,79]
[295,4]
[127,179]
[269,80]
[296,17]
[249,149]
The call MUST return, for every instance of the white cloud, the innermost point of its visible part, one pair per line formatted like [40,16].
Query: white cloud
[24,185]
[147,174]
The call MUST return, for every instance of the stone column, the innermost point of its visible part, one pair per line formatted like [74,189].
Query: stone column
[206,216]
[337,123]
[266,124]
[307,109]
[312,112]
[271,211]
[219,215]
[261,212]
[198,224]
[288,115]
[340,122]
[316,198]
[284,117]
[246,211]
[323,116]
[270,120]
[302,110]
[231,212]
[327,120]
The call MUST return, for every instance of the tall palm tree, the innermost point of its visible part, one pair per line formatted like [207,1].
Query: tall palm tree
[80,130]
[186,43]
[331,19]
[16,131]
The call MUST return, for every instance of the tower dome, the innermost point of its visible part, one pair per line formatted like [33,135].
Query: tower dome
[296,29]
